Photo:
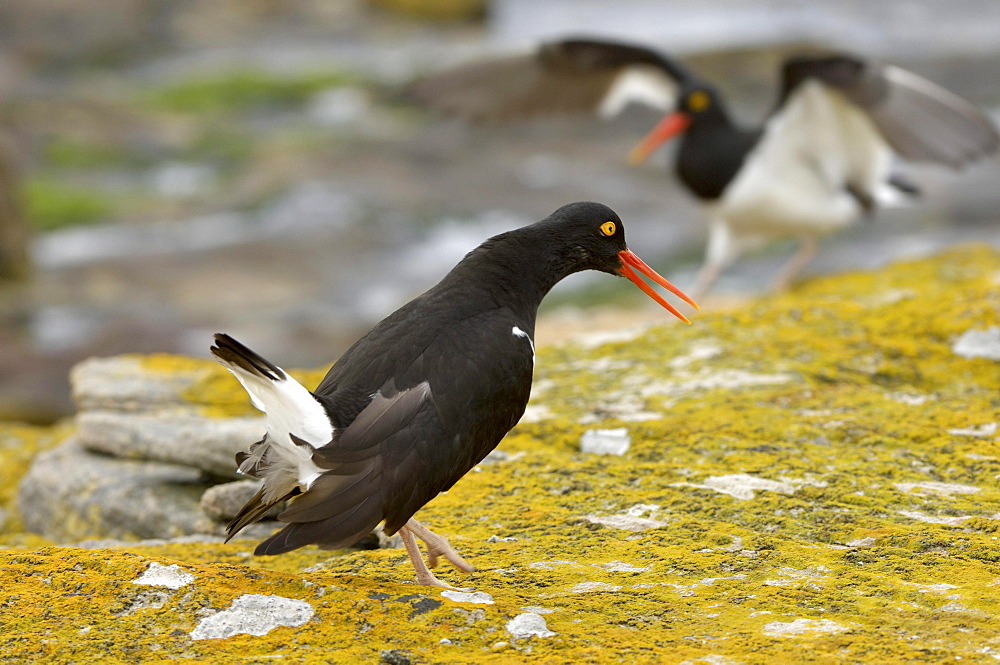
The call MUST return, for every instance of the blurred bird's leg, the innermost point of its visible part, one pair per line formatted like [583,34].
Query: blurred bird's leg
[807,250]
[722,250]
[437,546]
[707,276]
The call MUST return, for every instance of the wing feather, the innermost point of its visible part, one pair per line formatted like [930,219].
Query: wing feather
[919,119]
[569,76]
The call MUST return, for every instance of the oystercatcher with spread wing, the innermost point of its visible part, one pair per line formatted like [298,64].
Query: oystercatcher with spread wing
[822,159]
[413,405]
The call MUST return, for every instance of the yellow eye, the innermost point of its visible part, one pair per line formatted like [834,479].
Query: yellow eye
[698,101]
[608,228]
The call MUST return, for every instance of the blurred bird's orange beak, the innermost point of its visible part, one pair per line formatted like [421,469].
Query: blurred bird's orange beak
[630,260]
[671,125]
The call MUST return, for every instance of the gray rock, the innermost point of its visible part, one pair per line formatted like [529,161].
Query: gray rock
[223,502]
[975,343]
[176,437]
[253,614]
[113,543]
[70,494]
[125,383]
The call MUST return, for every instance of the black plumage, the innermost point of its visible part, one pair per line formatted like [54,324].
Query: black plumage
[423,397]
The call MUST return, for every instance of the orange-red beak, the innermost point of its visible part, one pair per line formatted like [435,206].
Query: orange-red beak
[671,125]
[630,260]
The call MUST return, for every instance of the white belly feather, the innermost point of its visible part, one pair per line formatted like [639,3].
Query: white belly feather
[795,180]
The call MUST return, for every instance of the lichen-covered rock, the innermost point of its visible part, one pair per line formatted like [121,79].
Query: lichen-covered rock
[222,502]
[19,444]
[811,478]
[71,494]
[131,383]
[152,433]
[172,436]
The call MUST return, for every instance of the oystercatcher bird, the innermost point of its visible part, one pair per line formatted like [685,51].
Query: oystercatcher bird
[423,397]
[822,159]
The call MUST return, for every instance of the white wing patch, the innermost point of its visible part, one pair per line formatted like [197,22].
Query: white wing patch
[639,84]
[517,332]
[795,181]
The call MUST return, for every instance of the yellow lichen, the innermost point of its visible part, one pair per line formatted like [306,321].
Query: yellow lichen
[215,391]
[18,446]
[878,539]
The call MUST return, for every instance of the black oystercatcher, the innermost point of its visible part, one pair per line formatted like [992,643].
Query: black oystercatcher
[822,159]
[423,397]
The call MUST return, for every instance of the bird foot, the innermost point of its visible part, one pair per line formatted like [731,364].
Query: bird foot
[428,579]
[437,546]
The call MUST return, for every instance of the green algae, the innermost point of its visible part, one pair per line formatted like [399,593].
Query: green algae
[879,540]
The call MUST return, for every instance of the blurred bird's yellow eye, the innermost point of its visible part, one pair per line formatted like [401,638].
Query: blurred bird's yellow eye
[608,228]
[698,101]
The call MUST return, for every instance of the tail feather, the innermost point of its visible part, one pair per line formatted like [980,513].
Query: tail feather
[234,353]
[296,422]
[254,510]
[333,533]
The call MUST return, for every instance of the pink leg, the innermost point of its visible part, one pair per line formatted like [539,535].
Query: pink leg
[424,576]
[438,546]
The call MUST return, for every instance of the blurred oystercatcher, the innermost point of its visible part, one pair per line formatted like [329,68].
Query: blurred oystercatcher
[821,160]
[423,397]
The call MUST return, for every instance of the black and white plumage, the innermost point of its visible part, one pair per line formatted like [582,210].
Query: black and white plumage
[821,160]
[423,397]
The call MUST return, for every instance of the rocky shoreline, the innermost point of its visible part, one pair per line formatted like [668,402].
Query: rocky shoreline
[804,478]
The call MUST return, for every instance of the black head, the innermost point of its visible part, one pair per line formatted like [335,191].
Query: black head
[699,106]
[699,101]
[591,236]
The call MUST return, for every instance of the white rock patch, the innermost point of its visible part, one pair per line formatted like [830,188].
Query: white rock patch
[590,587]
[534,413]
[632,519]
[696,353]
[253,614]
[742,485]
[606,441]
[474,597]
[623,567]
[941,489]
[988,429]
[975,343]
[602,337]
[803,627]
[937,588]
[528,624]
[711,659]
[931,519]
[712,379]
[172,576]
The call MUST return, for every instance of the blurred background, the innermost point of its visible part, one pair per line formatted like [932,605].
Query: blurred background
[170,168]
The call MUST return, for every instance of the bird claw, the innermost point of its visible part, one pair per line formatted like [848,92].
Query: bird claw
[430,580]
[438,546]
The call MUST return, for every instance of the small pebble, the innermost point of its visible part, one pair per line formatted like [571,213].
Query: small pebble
[606,441]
